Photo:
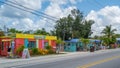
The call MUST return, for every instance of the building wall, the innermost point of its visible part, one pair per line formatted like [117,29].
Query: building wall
[18,43]
[40,44]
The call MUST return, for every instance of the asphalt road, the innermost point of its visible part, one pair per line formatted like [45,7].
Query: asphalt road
[104,60]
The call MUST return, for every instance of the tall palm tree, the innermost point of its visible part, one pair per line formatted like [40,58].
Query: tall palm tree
[108,31]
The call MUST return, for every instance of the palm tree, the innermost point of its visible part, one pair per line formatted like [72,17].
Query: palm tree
[85,42]
[108,31]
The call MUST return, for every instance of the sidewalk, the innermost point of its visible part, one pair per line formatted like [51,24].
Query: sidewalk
[4,62]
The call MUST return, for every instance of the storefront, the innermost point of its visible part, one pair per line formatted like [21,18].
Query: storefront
[26,40]
[5,43]
[73,45]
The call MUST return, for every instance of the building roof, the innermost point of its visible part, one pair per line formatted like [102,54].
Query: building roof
[73,40]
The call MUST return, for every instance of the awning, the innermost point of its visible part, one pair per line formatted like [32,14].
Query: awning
[31,40]
[4,40]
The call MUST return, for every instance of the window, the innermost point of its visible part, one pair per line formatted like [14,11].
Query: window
[32,44]
[2,46]
[45,44]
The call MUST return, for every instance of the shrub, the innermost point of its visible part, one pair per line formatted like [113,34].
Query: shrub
[35,51]
[43,52]
[48,47]
[19,50]
[50,51]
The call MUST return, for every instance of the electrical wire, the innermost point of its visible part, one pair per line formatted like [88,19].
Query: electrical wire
[26,10]
[30,8]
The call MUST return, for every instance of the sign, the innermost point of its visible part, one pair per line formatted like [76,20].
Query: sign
[39,37]
[25,53]
[6,40]
[25,36]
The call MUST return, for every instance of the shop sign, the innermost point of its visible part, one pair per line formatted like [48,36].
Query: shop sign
[39,37]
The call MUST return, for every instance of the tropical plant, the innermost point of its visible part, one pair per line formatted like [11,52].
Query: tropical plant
[35,51]
[109,37]
[43,52]
[42,32]
[20,50]
[85,42]
[108,31]
[48,47]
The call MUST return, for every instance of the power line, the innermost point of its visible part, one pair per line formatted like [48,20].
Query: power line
[30,8]
[27,10]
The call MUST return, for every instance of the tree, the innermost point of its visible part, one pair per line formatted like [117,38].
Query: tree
[42,32]
[87,28]
[109,37]
[1,33]
[73,26]
[108,31]
[85,42]
[13,30]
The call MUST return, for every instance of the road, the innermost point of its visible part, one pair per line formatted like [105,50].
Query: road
[102,60]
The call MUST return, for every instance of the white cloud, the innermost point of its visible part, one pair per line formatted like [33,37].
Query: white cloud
[109,15]
[16,18]
[19,19]
[56,10]
[9,11]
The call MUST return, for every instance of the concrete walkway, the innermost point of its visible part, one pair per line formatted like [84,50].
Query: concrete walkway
[5,62]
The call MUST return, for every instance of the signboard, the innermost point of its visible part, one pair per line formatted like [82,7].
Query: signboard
[51,38]
[25,53]
[39,37]
[25,36]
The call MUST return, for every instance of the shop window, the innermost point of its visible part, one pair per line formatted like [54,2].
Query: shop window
[32,44]
[45,44]
[2,47]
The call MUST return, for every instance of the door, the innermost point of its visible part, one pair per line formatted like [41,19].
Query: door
[26,42]
[4,48]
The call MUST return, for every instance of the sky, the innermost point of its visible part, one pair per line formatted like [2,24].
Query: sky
[103,12]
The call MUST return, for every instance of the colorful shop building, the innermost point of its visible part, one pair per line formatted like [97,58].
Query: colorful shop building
[26,40]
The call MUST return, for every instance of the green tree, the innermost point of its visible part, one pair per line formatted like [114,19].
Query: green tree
[42,32]
[86,32]
[108,31]
[73,26]
[109,37]
[85,42]
[1,33]
[13,30]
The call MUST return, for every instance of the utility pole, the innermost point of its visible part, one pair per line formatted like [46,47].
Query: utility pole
[5,30]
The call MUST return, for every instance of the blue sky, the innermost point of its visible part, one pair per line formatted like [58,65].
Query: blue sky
[103,12]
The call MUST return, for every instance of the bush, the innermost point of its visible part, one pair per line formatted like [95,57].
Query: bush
[48,47]
[43,52]
[19,50]
[35,51]
[51,51]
